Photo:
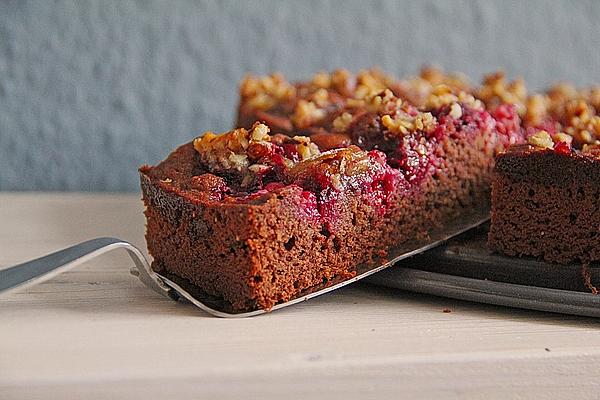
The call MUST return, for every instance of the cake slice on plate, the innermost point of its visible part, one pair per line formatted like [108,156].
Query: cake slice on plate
[321,178]
[546,194]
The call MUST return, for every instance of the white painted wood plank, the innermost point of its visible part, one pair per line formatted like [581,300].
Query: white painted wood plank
[96,332]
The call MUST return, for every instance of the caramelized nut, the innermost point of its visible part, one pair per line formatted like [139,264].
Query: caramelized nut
[541,139]
[327,140]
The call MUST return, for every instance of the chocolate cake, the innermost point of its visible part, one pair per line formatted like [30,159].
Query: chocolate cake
[336,170]
[546,194]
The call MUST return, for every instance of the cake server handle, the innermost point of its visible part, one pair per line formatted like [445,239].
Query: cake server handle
[48,266]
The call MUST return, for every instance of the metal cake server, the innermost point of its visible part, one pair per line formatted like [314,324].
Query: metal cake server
[46,267]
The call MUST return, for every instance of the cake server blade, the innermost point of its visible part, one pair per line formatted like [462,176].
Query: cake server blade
[46,267]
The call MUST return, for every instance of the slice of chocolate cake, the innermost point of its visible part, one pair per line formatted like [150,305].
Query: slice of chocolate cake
[341,169]
[546,203]
[546,195]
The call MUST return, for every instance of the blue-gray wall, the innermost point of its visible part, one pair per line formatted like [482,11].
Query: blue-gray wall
[89,90]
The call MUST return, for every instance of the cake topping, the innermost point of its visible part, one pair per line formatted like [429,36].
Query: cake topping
[341,123]
[592,149]
[374,100]
[441,95]
[562,137]
[305,148]
[455,111]
[265,92]
[536,107]
[307,113]
[334,172]
[419,90]
[330,140]
[340,80]
[541,139]
[230,151]
[251,154]
[338,169]
[560,142]
[332,101]
[403,123]
[564,113]
[581,121]
[496,90]
[321,80]
[401,118]
[250,161]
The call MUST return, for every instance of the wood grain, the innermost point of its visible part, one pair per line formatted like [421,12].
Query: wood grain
[96,332]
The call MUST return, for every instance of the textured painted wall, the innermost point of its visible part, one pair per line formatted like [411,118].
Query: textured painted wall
[89,90]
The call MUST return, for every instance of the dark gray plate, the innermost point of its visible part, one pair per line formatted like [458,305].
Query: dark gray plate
[464,269]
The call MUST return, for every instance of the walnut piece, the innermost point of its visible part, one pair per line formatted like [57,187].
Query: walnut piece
[497,90]
[419,90]
[442,94]
[374,101]
[306,149]
[263,93]
[573,111]
[403,123]
[229,151]
[341,123]
[250,152]
[592,149]
[339,168]
[307,113]
[541,140]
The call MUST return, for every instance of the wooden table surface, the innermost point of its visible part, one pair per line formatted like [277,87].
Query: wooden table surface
[97,332]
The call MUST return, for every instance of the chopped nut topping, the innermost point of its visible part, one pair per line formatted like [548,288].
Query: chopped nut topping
[306,149]
[306,114]
[561,92]
[383,101]
[229,151]
[321,98]
[251,152]
[593,149]
[594,97]
[441,95]
[562,137]
[330,140]
[536,109]
[342,81]
[582,124]
[419,90]
[436,76]
[322,80]
[571,110]
[455,111]
[264,93]
[374,80]
[341,168]
[541,139]
[260,132]
[404,123]
[496,90]
[259,168]
[421,149]
[341,123]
